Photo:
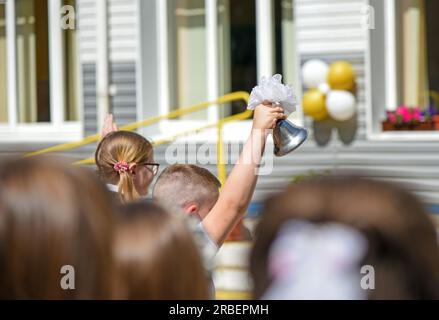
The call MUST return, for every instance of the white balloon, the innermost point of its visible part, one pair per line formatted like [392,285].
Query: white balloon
[314,73]
[324,88]
[340,105]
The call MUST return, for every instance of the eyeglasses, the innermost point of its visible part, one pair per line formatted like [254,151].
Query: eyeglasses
[153,167]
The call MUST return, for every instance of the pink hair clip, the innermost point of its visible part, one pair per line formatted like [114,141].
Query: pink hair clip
[121,166]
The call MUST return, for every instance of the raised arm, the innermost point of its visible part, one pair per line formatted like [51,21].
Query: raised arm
[240,185]
[109,125]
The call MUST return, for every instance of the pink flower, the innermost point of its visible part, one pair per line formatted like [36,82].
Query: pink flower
[417,114]
[391,117]
[405,114]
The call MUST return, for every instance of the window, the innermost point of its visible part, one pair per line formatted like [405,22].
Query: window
[431,10]
[285,41]
[187,54]
[412,67]
[32,51]
[3,64]
[286,57]
[404,63]
[217,47]
[39,89]
[188,47]
[71,70]
[242,46]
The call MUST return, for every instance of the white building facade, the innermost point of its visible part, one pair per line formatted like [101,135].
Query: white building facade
[140,58]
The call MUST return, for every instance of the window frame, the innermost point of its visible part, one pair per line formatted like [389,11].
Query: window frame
[58,129]
[265,65]
[174,126]
[381,77]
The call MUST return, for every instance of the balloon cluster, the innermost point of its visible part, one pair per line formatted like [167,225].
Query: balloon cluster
[330,90]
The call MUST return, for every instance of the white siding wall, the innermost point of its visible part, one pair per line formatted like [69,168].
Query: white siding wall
[87,30]
[123,30]
[122,34]
[122,45]
[327,26]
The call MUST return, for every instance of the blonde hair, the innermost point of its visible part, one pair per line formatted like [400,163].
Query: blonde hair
[180,184]
[118,147]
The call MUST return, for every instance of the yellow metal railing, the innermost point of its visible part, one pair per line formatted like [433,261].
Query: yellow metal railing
[221,166]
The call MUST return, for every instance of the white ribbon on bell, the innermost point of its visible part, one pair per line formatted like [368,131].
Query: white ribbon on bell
[271,89]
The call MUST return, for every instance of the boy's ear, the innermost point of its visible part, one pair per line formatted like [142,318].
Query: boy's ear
[191,209]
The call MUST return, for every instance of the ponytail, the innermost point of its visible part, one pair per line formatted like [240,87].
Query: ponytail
[127,191]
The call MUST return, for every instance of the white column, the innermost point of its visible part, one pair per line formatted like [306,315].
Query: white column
[265,37]
[57,63]
[102,73]
[212,70]
[162,53]
[11,63]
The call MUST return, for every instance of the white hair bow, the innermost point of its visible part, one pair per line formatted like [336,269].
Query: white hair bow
[309,261]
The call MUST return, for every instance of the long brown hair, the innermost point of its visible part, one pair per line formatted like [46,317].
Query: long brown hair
[403,246]
[156,256]
[53,215]
[122,146]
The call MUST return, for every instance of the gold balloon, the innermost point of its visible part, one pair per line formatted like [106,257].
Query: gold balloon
[341,76]
[314,104]
[321,116]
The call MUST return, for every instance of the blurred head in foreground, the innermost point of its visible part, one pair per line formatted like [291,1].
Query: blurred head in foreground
[52,216]
[318,239]
[125,159]
[156,256]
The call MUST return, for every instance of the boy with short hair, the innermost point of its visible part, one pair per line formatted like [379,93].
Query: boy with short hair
[191,189]
[220,217]
[187,187]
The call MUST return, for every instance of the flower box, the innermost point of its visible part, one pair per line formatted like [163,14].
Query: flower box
[420,126]
[406,118]
[436,121]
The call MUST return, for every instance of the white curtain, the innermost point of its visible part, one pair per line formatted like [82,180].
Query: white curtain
[413,58]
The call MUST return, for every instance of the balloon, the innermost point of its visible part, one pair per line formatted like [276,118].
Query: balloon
[341,76]
[314,73]
[340,105]
[320,116]
[314,104]
[324,88]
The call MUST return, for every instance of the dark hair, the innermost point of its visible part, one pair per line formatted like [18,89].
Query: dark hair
[156,256]
[52,215]
[403,246]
